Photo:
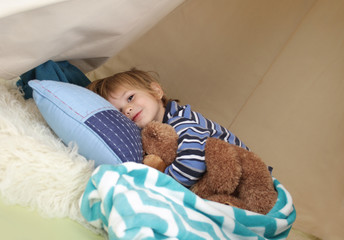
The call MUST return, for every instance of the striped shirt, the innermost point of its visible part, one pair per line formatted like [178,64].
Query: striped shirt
[193,130]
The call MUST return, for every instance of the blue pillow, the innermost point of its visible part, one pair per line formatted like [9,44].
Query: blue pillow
[78,115]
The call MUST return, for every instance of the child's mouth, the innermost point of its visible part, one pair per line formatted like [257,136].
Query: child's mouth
[136,116]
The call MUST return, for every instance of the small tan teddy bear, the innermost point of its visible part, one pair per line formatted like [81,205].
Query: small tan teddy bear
[234,176]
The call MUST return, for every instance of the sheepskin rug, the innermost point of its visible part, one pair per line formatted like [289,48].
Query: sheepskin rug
[36,169]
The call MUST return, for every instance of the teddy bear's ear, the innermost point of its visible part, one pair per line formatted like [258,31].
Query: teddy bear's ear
[150,133]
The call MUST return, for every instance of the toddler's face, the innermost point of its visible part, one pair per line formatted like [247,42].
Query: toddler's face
[138,105]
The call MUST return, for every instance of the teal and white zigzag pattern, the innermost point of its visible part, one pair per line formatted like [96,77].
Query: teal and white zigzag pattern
[133,201]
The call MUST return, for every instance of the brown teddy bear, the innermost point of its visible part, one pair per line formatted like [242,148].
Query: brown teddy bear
[234,176]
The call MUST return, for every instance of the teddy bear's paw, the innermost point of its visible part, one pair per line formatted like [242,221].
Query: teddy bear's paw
[154,162]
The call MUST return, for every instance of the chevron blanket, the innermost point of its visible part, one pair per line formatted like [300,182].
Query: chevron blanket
[133,201]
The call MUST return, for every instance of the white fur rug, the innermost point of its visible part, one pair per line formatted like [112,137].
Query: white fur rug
[36,169]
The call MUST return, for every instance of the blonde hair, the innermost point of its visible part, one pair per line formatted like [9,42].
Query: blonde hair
[133,78]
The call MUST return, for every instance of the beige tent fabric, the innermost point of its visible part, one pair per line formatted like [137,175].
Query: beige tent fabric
[272,72]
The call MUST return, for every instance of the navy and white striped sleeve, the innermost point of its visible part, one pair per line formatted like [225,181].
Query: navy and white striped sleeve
[189,165]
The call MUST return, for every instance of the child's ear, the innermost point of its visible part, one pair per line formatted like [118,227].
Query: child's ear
[157,89]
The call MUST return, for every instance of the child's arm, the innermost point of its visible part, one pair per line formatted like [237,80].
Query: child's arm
[189,165]
[193,130]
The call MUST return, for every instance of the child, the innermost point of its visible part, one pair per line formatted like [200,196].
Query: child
[139,96]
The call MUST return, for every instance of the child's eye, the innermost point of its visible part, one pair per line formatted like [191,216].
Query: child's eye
[130,98]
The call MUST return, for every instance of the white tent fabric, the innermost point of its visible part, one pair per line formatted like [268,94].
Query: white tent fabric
[86,31]
[13,7]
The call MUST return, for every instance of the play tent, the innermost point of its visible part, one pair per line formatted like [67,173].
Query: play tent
[270,71]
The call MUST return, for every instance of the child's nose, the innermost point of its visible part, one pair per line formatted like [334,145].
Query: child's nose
[127,110]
